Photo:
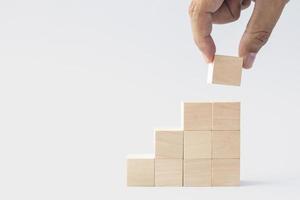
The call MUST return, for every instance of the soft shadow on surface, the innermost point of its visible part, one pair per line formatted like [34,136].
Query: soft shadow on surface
[278,181]
[245,183]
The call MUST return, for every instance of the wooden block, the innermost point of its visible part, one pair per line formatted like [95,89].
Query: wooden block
[168,172]
[226,172]
[225,70]
[140,170]
[197,144]
[169,144]
[226,144]
[226,116]
[197,172]
[197,116]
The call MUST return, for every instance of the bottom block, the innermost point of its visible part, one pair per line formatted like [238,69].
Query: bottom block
[197,172]
[168,172]
[226,172]
[140,171]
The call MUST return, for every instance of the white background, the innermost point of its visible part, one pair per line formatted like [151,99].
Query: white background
[83,83]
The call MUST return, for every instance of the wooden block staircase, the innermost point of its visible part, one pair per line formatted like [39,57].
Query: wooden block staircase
[206,152]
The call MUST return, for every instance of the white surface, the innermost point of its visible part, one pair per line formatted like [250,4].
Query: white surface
[140,156]
[83,83]
[168,129]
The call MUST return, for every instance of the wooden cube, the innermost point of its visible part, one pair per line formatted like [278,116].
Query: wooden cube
[226,144]
[197,116]
[197,144]
[169,144]
[226,116]
[140,170]
[225,70]
[226,172]
[197,172]
[168,172]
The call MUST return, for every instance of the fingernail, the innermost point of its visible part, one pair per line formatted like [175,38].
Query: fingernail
[249,60]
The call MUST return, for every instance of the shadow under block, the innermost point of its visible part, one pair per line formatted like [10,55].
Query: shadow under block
[226,116]
[197,172]
[169,144]
[168,172]
[226,144]
[197,116]
[197,144]
[225,70]
[140,172]
[226,172]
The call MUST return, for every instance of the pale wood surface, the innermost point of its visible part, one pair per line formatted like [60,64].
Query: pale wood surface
[169,144]
[226,144]
[140,172]
[197,116]
[226,116]
[226,172]
[197,172]
[168,172]
[226,70]
[197,144]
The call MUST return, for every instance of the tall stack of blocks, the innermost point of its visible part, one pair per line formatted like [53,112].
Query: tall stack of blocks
[205,153]
[211,144]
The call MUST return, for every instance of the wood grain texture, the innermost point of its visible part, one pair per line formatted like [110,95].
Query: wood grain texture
[169,144]
[197,144]
[225,70]
[168,172]
[226,172]
[140,171]
[197,172]
[226,144]
[197,116]
[226,116]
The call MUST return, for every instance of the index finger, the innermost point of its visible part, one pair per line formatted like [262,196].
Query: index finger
[201,20]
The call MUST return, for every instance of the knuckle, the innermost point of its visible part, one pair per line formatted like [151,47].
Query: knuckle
[196,7]
[261,37]
[256,40]
[192,9]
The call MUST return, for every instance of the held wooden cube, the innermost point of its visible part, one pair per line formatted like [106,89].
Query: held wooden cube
[168,172]
[197,144]
[140,170]
[226,144]
[197,116]
[197,172]
[226,172]
[225,70]
[169,144]
[226,116]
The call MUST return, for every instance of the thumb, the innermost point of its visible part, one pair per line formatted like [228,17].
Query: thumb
[264,17]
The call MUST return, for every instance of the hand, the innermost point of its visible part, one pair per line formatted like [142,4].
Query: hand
[204,13]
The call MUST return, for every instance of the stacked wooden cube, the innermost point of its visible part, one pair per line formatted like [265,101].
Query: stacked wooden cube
[205,153]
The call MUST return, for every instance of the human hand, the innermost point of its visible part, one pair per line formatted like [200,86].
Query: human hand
[204,13]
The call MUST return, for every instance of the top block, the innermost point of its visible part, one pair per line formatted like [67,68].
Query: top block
[226,116]
[225,70]
[197,116]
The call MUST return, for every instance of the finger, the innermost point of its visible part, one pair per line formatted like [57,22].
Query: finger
[229,11]
[264,17]
[201,20]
